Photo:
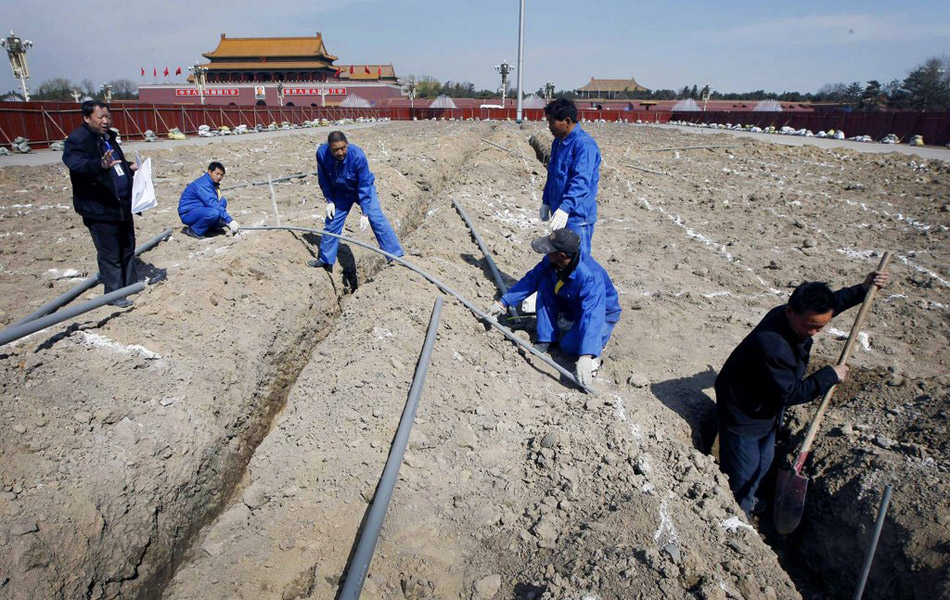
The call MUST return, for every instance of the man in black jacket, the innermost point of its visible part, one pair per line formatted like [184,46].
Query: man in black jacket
[766,373]
[102,195]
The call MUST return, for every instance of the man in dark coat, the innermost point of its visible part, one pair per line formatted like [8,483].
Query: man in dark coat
[102,195]
[766,373]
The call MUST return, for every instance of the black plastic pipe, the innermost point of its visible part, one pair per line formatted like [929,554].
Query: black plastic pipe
[478,313]
[18,331]
[869,558]
[82,286]
[496,275]
[359,566]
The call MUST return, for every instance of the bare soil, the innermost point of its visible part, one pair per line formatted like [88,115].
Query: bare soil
[223,438]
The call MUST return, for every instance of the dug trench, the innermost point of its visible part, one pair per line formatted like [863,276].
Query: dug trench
[131,431]
[515,485]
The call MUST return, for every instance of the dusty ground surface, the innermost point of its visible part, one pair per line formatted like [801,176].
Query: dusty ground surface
[223,438]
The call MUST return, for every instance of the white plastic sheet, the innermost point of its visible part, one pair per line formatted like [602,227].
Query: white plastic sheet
[143,191]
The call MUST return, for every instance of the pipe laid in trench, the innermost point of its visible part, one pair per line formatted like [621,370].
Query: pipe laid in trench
[478,313]
[359,566]
[18,331]
[82,286]
[872,548]
[496,275]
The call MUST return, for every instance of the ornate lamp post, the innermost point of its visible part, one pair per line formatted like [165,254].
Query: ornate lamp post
[200,75]
[106,90]
[411,88]
[504,68]
[548,91]
[16,51]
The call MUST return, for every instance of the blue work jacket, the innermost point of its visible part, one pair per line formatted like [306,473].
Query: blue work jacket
[587,297]
[573,175]
[347,181]
[200,193]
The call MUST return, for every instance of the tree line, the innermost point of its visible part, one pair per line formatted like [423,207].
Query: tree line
[60,88]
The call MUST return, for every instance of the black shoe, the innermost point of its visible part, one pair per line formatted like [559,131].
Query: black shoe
[121,303]
[316,263]
[759,506]
[191,233]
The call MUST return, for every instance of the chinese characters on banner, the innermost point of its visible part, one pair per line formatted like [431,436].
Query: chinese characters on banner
[289,91]
[209,92]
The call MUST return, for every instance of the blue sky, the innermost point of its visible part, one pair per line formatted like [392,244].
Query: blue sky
[735,46]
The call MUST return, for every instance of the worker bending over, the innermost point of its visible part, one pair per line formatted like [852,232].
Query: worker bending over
[344,177]
[569,284]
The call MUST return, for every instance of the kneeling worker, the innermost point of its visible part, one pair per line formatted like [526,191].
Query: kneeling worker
[766,373]
[344,177]
[202,207]
[569,283]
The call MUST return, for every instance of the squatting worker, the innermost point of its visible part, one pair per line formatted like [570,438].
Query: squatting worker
[766,373]
[102,195]
[570,193]
[569,283]
[202,207]
[345,179]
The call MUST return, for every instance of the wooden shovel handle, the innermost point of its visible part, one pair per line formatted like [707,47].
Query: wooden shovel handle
[845,354]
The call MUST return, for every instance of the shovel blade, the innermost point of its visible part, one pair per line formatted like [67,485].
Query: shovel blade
[790,489]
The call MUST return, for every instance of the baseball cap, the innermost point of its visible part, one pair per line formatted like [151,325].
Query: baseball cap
[562,240]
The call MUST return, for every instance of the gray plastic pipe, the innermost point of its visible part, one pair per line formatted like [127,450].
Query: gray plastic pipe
[496,275]
[866,569]
[85,284]
[478,313]
[18,331]
[359,567]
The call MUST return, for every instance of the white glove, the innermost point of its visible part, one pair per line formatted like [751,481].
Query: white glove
[331,210]
[559,220]
[495,309]
[544,212]
[585,369]
[234,227]
[364,222]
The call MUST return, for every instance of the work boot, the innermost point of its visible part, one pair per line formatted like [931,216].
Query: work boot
[759,506]
[316,263]
[191,233]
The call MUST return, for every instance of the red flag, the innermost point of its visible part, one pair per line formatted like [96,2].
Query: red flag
[351,69]
[366,68]
[178,71]
[337,72]
[154,72]
[166,71]
[143,71]
[379,71]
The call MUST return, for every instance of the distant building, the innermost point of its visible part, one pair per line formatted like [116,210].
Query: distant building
[263,71]
[608,89]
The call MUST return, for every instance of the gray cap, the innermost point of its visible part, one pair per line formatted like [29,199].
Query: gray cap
[562,240]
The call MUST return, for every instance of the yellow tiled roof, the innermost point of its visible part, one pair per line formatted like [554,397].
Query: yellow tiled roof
[276,46]
[611,85]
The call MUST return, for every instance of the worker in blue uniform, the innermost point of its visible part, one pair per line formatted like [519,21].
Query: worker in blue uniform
[570,193]
[569,284]
[344,177]
[202,207]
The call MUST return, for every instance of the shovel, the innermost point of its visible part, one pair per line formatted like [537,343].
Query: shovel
[790,484]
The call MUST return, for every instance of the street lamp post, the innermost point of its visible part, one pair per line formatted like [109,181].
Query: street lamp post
[200,74]
[280,93]
[504,68]
[707,91]
[106,90]
[16,51]
[548,91]
[520,61]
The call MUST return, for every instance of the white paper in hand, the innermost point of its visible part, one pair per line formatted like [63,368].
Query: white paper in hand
[143,191]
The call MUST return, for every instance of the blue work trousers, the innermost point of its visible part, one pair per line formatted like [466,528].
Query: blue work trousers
[745,460]
[383,231]
[547,330]
[205,218]
[586,233]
